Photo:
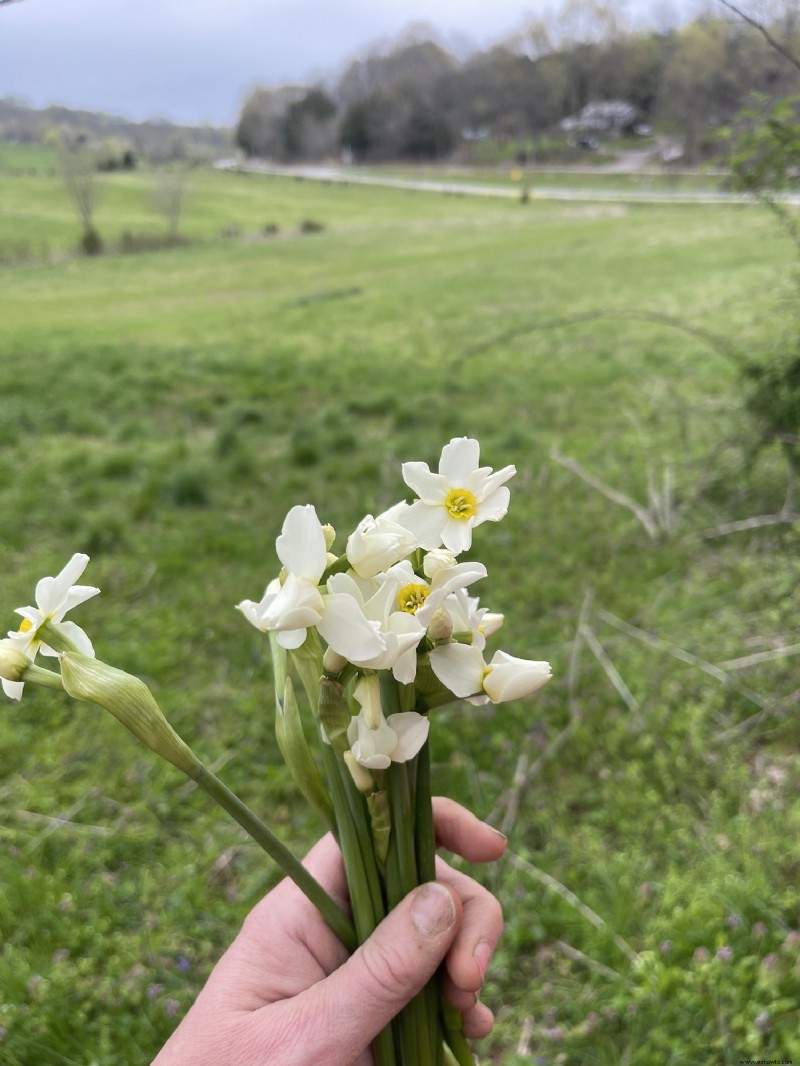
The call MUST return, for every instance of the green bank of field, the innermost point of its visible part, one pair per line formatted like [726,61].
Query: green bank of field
[162,411]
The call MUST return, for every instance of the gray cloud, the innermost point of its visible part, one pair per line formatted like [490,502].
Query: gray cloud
[193,60]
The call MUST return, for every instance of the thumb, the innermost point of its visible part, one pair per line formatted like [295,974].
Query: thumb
[387,971]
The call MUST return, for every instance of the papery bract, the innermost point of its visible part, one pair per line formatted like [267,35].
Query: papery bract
[54,597]
[459,497]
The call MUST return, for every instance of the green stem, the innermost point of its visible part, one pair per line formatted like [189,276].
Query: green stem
[418,1023]
[52,636]
[363,881]
[454,1035]
[252,824]
[364,856]
[426,862]
[423,817]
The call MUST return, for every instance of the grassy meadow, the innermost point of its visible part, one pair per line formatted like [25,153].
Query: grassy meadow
[161,411]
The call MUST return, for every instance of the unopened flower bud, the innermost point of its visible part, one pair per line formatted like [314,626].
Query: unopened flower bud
[441,625]
[130,701]
[368,694]
[361,776]
[330,535]
[436,560]
[13,663]
[332,662]
[16,669]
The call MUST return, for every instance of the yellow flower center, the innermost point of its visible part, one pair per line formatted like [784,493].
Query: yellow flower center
[26,625]
[461,503]
[411,597]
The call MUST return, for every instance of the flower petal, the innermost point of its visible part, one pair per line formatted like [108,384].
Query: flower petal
[13,689]
[297,605]
[52,591]
[301,546]
[77,594]
[457,535]
[428,486]
[291,638]
[447,581]
[73,633]
[412,732]
[426,521]
[459,459]
[249,609]
[485,482]
[346,629]
[494,508]
[510,678]
[459,667]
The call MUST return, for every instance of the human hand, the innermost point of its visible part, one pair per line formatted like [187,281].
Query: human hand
[286,994]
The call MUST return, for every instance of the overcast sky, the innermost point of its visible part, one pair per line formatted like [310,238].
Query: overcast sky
[194,60]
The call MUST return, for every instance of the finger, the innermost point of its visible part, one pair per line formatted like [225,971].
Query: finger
[481,925]
[477,1019]
[458,830]
[285,924]
[324,862]
[383,975]
[478,1022]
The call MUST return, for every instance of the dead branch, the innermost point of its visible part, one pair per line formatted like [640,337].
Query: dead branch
[762,29]
[760,657]
[758,522]
[612,673]
[685,656]
[552,885]
[614,495]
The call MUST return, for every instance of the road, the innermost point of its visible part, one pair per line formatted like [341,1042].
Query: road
[351,176]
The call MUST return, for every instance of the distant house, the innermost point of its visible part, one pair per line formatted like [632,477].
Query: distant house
[603,116]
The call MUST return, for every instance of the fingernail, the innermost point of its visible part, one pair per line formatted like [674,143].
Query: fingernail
[483,955]
[497,833]
[432,910]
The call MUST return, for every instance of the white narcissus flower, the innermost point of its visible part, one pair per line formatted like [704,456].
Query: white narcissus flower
[462,670]
[402,605]
[415,596]
[510,678]
[378,543]
[401,632]
[296,605]
[54,597]
[397,738]
[459,497]
[468,617]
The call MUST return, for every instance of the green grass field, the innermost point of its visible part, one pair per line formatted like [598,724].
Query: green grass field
[162,411]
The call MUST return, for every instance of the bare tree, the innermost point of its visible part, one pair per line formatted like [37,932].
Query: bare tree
[763,29]
[81,180]
[169,196]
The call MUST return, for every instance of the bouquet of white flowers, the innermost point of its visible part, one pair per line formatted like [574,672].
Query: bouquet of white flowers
[377,637]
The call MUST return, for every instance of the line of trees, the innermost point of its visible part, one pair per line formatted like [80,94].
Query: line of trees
[156,140]
[414,99]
